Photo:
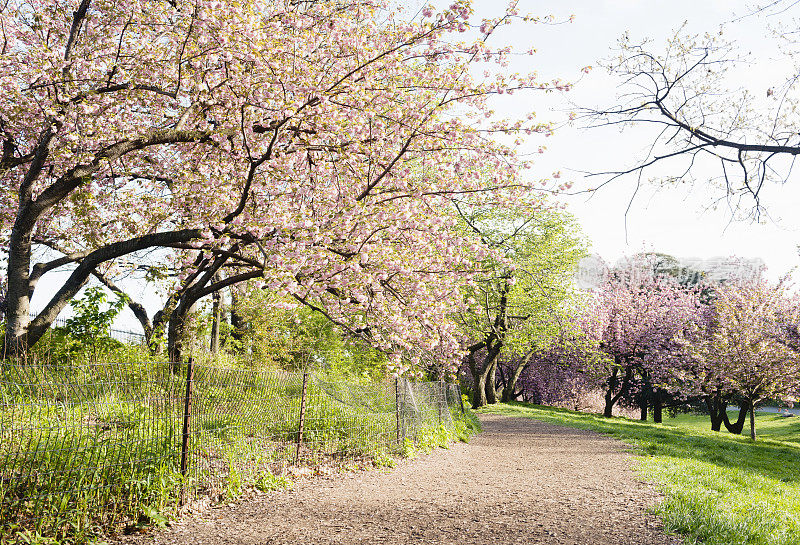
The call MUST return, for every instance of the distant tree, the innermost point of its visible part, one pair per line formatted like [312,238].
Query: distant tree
[565,371]
[519,299]
[641,312]
[749,346]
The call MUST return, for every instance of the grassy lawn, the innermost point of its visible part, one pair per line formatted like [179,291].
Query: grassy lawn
[719,488]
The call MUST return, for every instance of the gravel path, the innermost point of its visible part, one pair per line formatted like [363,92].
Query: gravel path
[520,481]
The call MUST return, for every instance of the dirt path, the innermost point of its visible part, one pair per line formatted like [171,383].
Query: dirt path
[520,481]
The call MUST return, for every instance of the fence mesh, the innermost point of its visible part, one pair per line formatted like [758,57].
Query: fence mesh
[125,336]
[93,448]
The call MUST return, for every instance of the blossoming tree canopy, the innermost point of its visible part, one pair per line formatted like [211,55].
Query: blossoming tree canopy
[642,311]
[304,128]
[750,345]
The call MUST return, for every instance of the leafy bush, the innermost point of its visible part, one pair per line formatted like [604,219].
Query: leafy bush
[84,337]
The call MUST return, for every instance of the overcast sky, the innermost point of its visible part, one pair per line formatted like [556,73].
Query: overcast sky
[675,220]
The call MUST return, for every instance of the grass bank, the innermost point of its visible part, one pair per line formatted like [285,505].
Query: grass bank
[718,488]
[90,450]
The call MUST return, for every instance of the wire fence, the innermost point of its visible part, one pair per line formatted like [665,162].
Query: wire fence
[124,336]
[127,336]
[93,449]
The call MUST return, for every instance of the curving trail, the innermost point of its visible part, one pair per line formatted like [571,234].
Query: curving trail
[520,481]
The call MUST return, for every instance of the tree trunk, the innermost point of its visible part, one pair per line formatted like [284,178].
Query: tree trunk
[752,420]
[216,319]
[609,403]
[510,388]
[716,408]
[479,393]
[611,398]
[160,323]
[644,398]
[736,427]
[493,347]
[17,301]
[18,282]
[478,384]
[657,406]
[484,383]
[176,330]
[491,389]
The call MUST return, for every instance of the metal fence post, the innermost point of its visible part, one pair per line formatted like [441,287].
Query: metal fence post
[187,416]
[415,399]
[397,405]
[460,401]
[302,418]
[441,390]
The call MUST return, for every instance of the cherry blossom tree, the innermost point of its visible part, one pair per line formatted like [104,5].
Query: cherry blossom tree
[642,312]
[749,346]
[564,372]
[314,144]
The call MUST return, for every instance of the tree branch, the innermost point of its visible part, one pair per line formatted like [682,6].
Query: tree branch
[81,274]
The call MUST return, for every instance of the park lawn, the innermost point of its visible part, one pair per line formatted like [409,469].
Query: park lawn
[718,488]
[768,425]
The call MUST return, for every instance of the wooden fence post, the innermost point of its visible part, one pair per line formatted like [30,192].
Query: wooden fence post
[302,418]
[187,416]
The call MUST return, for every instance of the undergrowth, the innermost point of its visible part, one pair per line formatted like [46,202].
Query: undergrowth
[86,451]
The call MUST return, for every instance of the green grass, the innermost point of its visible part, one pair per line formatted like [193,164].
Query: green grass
[718,488]
[768,425]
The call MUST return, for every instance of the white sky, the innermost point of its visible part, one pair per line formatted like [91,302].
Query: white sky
[674,220]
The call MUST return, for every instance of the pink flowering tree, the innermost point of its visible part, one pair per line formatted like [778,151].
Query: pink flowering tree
[311,144]
[565,371]
[642,312]
[750,345]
